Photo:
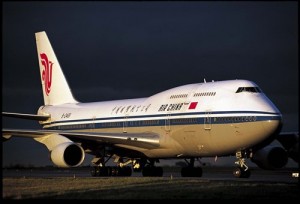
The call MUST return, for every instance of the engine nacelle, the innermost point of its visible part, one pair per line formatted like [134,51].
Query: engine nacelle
[67,154]
[270,158]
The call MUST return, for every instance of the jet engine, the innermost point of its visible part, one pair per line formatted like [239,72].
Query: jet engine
[67,154]
[290,141]
[270,158]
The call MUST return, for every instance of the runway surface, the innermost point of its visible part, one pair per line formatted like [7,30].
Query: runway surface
[209,173]
[216,183]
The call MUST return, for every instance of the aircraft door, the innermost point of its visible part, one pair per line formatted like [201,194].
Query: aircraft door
[168,122]
[207,121]
[92,125]
[125,124]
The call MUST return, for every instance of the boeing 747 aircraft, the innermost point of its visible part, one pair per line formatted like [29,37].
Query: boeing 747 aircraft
[221,118]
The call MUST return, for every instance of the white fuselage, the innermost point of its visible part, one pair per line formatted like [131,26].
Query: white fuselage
[204,119]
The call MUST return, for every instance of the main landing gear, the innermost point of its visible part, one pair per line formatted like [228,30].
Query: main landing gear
[101,170]
[190,170]
[146,166]
[110,171]
[242,171]
[151,170]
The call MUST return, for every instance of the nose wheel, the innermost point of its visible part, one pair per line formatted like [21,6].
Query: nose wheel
[242,171]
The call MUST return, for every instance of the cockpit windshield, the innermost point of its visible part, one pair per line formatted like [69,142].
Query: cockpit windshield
[248,89]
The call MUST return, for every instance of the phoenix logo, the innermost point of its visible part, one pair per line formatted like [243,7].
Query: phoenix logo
[47,72]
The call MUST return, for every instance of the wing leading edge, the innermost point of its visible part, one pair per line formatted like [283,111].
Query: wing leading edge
[26,116]
[147,140]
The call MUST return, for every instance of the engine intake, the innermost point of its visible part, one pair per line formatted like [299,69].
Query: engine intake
[270,158]
[67,154]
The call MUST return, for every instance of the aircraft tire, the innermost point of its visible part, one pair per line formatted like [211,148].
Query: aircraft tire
[241,173]
[93,171]
[124,171]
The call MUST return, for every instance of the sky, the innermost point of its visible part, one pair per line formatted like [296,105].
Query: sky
[119,50]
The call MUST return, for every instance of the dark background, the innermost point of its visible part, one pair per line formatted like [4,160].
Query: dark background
[117,50]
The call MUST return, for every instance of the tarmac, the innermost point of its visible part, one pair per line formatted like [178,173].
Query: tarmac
[287,175]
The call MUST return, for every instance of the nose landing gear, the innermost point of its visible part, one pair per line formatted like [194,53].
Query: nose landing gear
[242,171]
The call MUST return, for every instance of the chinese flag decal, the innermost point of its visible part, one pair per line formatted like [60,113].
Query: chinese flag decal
[193,105]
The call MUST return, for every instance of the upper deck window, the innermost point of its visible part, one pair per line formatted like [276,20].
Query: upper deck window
[248,89]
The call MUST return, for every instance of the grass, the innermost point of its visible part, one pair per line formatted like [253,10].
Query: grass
[143,188]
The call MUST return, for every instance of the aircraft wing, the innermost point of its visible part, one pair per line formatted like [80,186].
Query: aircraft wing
[147,140]
[26,116]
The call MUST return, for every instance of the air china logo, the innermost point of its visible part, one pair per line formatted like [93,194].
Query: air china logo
[193,105]
[47,72]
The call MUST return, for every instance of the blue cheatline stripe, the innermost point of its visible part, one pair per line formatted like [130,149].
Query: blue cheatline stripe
[163,122]
[161,115]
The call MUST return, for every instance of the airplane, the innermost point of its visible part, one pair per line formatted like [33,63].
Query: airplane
[189,122]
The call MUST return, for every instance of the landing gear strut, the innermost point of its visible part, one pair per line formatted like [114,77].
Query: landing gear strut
[190,170]
[242,171]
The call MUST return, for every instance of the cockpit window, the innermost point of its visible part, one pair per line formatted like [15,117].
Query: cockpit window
[248,89]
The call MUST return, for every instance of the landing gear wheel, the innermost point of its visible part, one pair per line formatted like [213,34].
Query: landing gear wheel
[124,171]
[247,173]
[105,171]
[159,171]
[93,171]
[241,173]
[237,172]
